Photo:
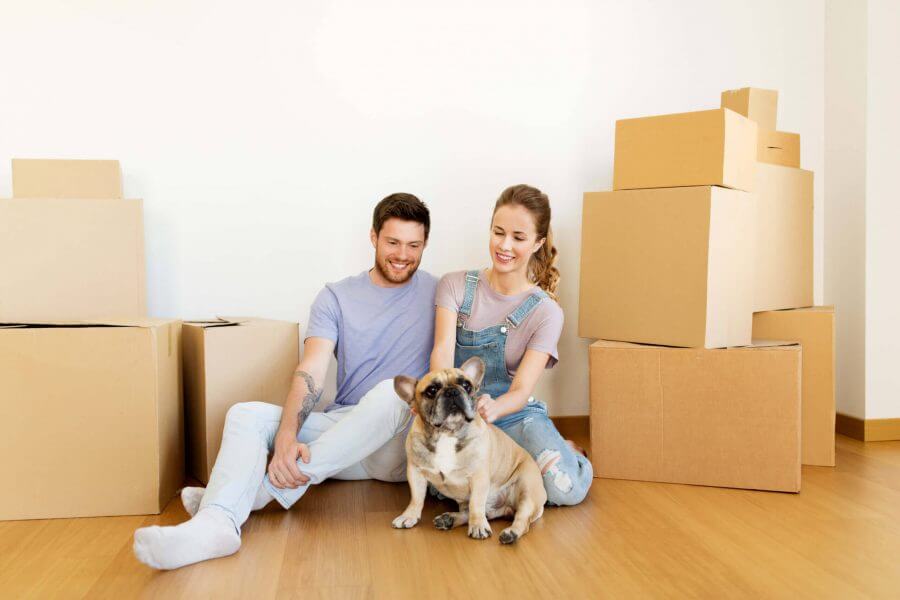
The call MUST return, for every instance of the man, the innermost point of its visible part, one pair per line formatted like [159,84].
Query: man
[378,324]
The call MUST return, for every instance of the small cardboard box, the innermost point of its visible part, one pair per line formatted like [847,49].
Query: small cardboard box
[727,418]
[784,238]
[65,257]
[671,266]
[814,329]
[50,178]
[779,148]
[754,103]
[91,418]
[710,147]
[227,361]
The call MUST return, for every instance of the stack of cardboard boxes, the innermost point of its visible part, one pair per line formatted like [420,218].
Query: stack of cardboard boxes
[691,267]
[92,421]
[90,391]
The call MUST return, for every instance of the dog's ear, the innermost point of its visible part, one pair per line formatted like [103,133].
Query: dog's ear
[406,388]
[474,370]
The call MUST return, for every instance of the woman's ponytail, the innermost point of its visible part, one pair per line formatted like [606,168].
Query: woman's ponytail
[543,267]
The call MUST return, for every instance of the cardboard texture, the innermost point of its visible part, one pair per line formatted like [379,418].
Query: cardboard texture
[38,178]
[671,266]
[814,329]
[779,148]
[227,361]
[784,238]
[727,418]
[756,104]
[710,147]
[71,259]
[91,419]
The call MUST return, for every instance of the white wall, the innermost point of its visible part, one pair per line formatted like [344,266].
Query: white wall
[861,277]
[845,182]
[883,212]
[260,136]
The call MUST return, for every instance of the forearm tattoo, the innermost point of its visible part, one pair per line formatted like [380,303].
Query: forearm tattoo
[311,397]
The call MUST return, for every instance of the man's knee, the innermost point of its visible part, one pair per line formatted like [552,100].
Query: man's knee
[250,412]
[384,399]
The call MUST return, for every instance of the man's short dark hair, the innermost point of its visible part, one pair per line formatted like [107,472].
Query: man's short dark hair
[401,206]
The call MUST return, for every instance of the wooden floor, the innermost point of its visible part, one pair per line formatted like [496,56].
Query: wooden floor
[839,538]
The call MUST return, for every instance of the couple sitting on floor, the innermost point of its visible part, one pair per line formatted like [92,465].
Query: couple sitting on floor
[388,321]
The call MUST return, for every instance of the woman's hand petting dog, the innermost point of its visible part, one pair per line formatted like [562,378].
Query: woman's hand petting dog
[283,471]
[488,408]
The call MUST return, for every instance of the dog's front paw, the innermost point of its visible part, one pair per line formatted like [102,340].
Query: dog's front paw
[444,521]
[508,536]
[480,530]
[404,522]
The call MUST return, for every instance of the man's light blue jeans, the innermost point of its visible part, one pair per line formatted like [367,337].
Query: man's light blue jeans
[365,441]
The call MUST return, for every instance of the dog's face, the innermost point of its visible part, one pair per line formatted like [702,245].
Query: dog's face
[446,398]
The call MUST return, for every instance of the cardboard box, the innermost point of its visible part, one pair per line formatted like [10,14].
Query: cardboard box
[728,418]
[779,148]
[227,361]
[710,147]
[784,238]
[671,266]
[38,178]
[814,329]
[754,103]
[91,418]
[71,259]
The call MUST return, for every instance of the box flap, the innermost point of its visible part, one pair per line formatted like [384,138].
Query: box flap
[772,344]
[754,344]
[824,309]
[218,322]
[144,322]
[47,178]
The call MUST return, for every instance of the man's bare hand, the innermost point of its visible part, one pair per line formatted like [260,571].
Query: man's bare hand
[283,471]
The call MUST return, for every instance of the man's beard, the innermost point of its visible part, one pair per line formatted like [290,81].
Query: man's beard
[394,278]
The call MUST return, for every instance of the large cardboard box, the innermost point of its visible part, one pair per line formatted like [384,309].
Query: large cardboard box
[671,266]
[814,329]
[754,103]
[784,238]
[779,148]
[728,418]
[91,418]
[227,361]
[71,259]
[68,257]
[51,178]
[710,147]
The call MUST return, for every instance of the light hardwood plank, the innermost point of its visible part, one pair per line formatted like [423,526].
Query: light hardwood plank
[838,538]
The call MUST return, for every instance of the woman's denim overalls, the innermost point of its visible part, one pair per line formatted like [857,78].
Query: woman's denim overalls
[569,474]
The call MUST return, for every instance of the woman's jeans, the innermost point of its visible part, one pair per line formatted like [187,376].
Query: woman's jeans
[567,474]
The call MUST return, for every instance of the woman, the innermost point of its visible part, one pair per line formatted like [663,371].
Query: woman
[508,316]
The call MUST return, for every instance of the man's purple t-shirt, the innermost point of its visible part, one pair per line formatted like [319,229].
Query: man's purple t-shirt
[379,332]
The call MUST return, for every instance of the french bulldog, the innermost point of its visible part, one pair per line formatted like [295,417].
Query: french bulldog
[465,458]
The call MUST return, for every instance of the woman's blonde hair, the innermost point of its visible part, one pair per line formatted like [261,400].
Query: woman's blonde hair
[541,267]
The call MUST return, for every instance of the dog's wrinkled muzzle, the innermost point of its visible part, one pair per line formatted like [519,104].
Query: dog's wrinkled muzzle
[456,401]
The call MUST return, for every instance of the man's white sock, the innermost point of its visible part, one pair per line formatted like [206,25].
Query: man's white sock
[209,534]
[191,497]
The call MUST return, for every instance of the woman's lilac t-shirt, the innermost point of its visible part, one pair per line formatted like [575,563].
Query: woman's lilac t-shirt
[539,331]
